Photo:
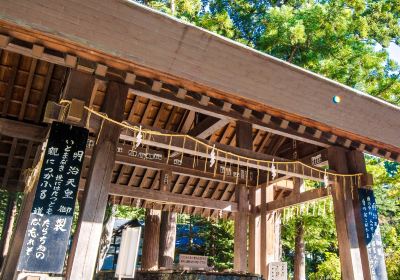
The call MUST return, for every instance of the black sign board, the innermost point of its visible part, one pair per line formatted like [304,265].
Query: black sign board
[48,232]
[372,234]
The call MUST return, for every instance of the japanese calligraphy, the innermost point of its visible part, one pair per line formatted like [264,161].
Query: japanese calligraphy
[372,235]
[48,232]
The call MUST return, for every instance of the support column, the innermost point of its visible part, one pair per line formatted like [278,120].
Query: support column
[151,241]
[168,226]
[245,141]
[9,269]
[240,238]
[254,231]
[9,219]
[300,252]
[167,239]
[83,255]
[267,245]
[356,164]
[349,249]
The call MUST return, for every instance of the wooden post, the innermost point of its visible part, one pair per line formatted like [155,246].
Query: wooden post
[151,241]
[167,239]
[9,268]
[349,250]
[8,225]
[300,254]
[167,227]
[254,231]
[240,238]
[83,256]
[244,140]
[356,164]
[267,230]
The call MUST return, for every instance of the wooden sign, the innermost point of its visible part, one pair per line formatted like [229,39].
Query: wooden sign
[48,232]
[277,271]
[193,261]
[372,234]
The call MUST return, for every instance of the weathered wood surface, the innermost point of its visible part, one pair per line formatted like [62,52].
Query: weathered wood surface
[298,93]
[240,228]
[22,130]
[167,239]
[83,257]
[356,163]
[151,241]
[299,247]
[349,247]
[9,269]
[8,224]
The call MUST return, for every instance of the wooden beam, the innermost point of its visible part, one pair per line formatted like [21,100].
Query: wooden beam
[217,112]
[10,86]
[21,130]
[27,89]
[299,198]
[163,197]
[43,93]
[207,127]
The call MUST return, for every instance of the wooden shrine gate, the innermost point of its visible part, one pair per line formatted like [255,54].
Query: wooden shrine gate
[185,122]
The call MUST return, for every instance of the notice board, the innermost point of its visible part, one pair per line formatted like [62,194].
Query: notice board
[48,231]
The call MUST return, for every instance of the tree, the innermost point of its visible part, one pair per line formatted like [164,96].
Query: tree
[341,40]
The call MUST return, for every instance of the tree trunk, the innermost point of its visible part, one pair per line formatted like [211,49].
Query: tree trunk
[9,219]
[173,7]
[167,239]
[151,240]
[299,257]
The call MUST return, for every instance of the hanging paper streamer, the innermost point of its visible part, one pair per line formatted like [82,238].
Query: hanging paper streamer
[212,156]
[326,180]
[139,137]
[273,169]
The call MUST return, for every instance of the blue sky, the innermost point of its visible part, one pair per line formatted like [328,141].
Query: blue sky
[394,52]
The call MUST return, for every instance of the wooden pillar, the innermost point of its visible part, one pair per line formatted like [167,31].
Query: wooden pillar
[8,225]
[167,239]
[151,241]
[83,256]
[168,226]
[349,250]
[356,164]
[9,268]
[240,238]
[300,252]
[267,245]
[254,231]
[245,141]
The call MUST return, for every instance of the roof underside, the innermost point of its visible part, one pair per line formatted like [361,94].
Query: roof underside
[219,67]
[41,41]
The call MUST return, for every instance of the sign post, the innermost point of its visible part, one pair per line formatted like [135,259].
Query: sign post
[50,221]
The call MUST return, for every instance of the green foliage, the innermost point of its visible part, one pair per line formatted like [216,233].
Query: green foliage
[127,212]
[319,233]
[217,237]
[387,192]
[329,269]
[339,39]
